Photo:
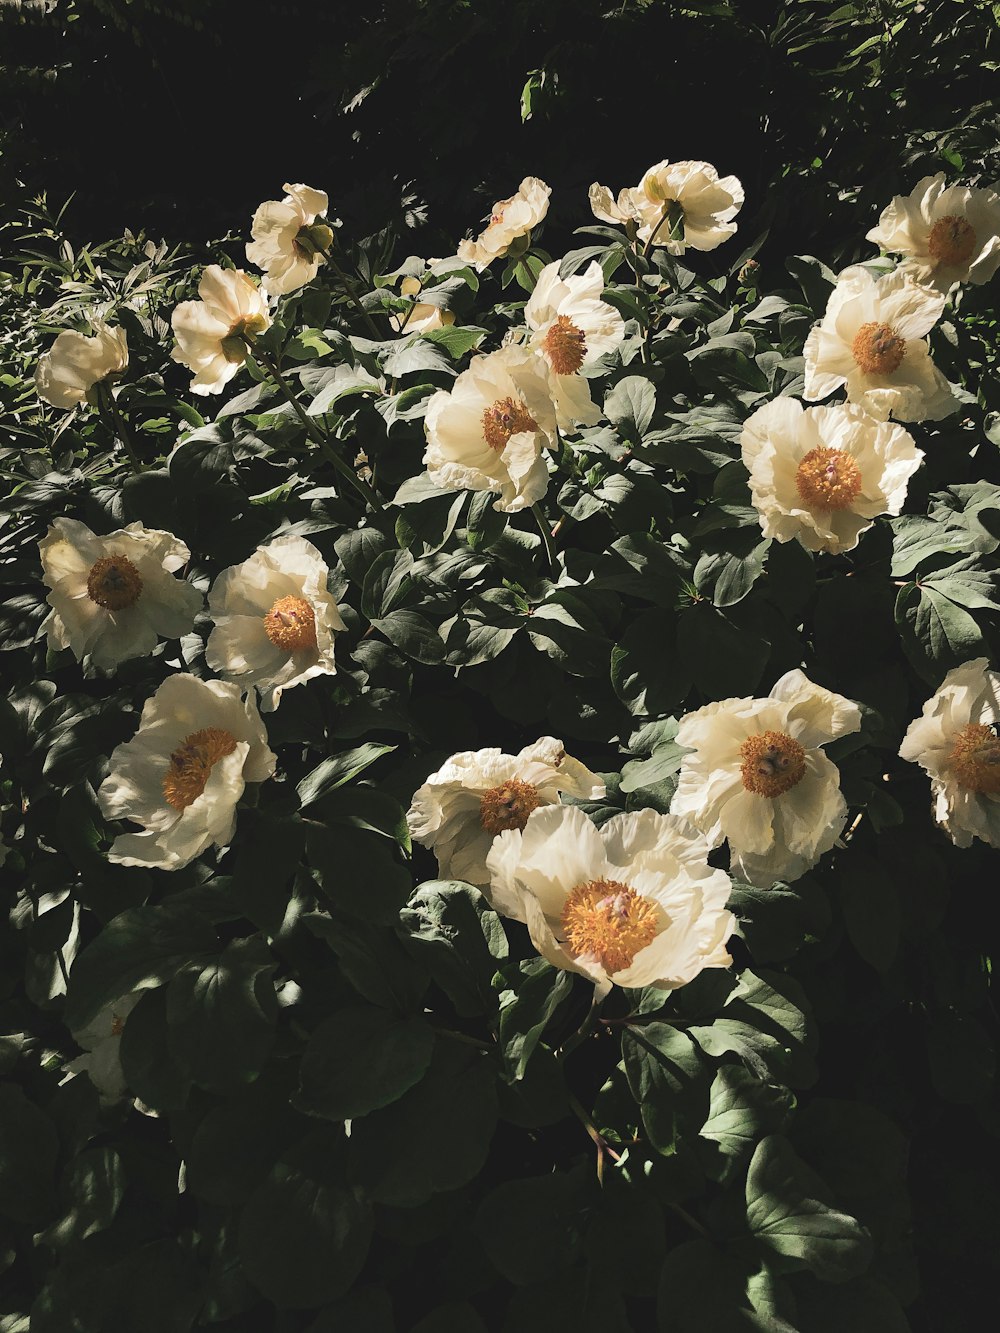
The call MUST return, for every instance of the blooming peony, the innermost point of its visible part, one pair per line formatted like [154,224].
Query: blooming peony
[676,205]
[101,1040]
[479,793]
[488,431]
[180,776]
[571,327]
[114,596]
[871,341]
[955,742]
[74,363]
[634,903]
[210,332]
[288,242]
[274,620]
[821,475]
[510,220]
[946,233]
[422,315]
[758,777]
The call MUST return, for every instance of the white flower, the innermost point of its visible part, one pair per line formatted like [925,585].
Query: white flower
[114,596]
[634,903]
[274,620]
[180,776]
[479,793]
[757,776]
[68,371]
[821,475]
[571,327]
[288,243]
[422,315]
[676,205]
[955,742]
[510,220]
[488,432]
[101,1039]
[871,341]
[946,233]
[210,332]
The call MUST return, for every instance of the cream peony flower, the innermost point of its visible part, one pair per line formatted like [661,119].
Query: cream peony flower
[955,742]
[946,233]
[488,431]
[571,327]
[101,1039]
[68,371]
[757,776]
[274,620]
[676,205]
[210,332]
[180,776]
[479,793]
[510,220]
[821,475]
[871,341]
[114,596]
[288,242]
[422,316]
[633,903]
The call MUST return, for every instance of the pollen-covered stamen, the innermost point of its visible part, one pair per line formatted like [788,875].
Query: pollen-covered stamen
[952,241]
[975,759]
[828,479]
[609,922]
[565,346]
[191,764]
[114,583]
[291,624]
[878,349]
[117,1025]
[507,806]
[773,763]
[505,418]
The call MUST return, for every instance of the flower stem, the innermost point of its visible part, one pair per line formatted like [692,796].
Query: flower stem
[353,297]
[108,408]
[543,528]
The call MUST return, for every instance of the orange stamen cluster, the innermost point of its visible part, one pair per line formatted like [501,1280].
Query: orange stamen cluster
[773,763]
[191,764]
[291,624]
[828,479]
[114,583]
[975,759]
[609,922]
[503,419]
[952,241]
[878,349]
[507,806]
[565,346]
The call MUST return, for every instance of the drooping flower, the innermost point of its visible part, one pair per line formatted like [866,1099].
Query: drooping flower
[676,205]
[946,233]
[757,776]
[488,431]
[955,742]
[101,1040]
[510,220]
[477,794]
[67,372]
[210,332]
[114,596]
[871,341]
[821,475]
[289,242]
[184,770]
[274,620]
[633,903]
[571,327]
[423,315]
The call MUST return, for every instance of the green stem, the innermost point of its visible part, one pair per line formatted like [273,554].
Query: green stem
[584,1030]
[108,408]
[353,297]
[543,528]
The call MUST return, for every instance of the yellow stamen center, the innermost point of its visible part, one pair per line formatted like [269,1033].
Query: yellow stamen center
[505,418]
[191,763]
[828,479]
[878,349]
[609,922]
[507,806]
[565,346]
[952,241]
[114,583]
[773,763]
[975,759]
[291,624]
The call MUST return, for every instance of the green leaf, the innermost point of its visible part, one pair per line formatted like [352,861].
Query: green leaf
[340,768]
[533,1228]
[456,340]
[742,1111]
[455,934]
[703,1290]
[148,1064]
[630,406]
[413,634]
[936,633]
[648,673]
[541,990]
[94,1186]
[723,658]
[668,1079]
[359,1059]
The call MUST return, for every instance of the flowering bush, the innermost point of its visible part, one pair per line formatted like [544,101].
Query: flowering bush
[493,812]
